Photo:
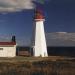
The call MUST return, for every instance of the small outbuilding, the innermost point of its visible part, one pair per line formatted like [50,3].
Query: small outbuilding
[8,49]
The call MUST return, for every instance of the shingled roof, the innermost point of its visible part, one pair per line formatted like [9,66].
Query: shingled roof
[7,43]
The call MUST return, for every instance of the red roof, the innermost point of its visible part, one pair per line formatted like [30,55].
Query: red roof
[39,15]
[7,43]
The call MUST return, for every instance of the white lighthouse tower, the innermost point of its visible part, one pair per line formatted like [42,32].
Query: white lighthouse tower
[39,48]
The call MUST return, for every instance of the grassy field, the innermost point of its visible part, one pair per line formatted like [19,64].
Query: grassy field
[37,66]
[32,59]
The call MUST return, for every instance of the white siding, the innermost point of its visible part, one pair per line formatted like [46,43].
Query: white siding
[40,48]
[8,51]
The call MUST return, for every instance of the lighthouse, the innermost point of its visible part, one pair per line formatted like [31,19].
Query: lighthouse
[39,46]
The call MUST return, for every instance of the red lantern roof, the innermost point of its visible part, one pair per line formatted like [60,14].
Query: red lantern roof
[39,14]
[7,43]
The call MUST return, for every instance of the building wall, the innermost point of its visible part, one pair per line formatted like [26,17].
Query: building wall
[40,48]
[8,51]
[23,51]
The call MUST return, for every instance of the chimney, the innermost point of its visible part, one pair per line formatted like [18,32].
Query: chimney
[13,39]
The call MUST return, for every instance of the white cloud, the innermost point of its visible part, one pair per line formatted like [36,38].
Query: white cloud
[15,5]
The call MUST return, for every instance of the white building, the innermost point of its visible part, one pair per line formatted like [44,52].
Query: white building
[8,49]
[39,46]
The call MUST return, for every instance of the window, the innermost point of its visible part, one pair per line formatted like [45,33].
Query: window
[1,48]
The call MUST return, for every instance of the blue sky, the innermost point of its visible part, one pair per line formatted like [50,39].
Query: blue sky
[16,18]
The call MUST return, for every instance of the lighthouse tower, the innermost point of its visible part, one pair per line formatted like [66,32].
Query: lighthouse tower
[39,48]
